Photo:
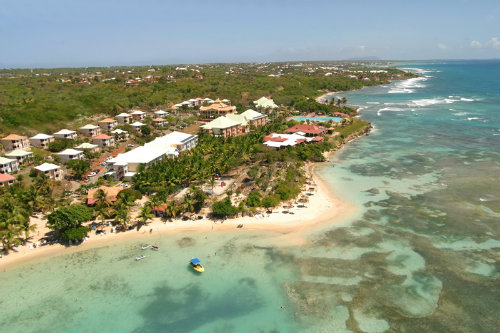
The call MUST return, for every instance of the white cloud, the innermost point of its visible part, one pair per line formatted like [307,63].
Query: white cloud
[476,44]
[494,42]
[442,46]
[362,48]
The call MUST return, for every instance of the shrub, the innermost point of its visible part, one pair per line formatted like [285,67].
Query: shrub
[73,234]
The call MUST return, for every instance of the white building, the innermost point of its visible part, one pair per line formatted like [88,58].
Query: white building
[90,130]
[161,114]
[138,114]
[8,165]
[124,118]
[20,155]
[41,140]
[50,170]
[70,154]
[65,134]
[137,126]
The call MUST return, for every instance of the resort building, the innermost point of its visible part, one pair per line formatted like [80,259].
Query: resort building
[111,194]
[265,103]
[216,109]
[41,140]
[120,134]
[137,126]
[235,124]
[138,114]
[70,154]
[103,140]
[160,122]
[161,114]
[88,147]
[50,170]
[223,127]
[65,134]
[177,140]
[127,164]
[6,180]
[107,124]
[90,130]
[308,130]
[124,118]
[278,141]
[8,165]
[14,141]
[20,155]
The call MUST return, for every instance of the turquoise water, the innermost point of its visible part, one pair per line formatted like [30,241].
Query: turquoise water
[422,255]
[318,119]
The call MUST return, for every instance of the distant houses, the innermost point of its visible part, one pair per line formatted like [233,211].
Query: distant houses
[124,118]
[92,148]
[50,170]
[65,134]
[41,140]
[103,140]
[14,141]
[265,103]
[107,124]
[90,130]
[70,154]
[138,114]
[8,165]
[216,109]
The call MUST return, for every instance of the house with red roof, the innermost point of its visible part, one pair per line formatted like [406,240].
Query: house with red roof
[6,179]
[308,130]
[103,140]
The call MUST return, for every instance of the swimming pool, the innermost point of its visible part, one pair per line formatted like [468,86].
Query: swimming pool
[318,119]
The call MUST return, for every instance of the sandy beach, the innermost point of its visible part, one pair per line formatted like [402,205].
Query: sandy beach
[323,208]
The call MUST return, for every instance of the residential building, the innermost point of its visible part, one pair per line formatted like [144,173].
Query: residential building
[223,127]
[103,140]
[111,194]
[6,179]
[88,147]
[90,130]
[160,122]
[8,165]
[308,130]
[137,126]
[120,134]
[20,155]
[50,170]
[14,141]
[278,141]
[65,134]
[41,140]
[107,124]
[124,118]
[138,114]
[70,154]
[265,103]
[161,114]
[215,110]
[178,140]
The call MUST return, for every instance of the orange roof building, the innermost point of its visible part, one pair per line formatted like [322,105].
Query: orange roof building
[216,109]
[111,194]
[14,141]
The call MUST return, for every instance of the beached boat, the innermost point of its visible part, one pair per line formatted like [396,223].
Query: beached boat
[147,246]
[155,248]
[140,257]
[196,264]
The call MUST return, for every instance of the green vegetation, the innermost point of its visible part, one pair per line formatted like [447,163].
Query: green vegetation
[356,126]
[59,145]
[48,102]
[69,217]
[224,208]
[79,167]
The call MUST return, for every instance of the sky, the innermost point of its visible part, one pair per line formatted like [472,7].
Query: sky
[78,33]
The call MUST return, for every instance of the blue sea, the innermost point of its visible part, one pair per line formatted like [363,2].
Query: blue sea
[422,254]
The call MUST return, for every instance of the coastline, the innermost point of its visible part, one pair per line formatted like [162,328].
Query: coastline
[324,208]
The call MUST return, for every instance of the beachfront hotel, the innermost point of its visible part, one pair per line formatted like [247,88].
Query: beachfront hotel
[235,124]
[14,141]
[279,141]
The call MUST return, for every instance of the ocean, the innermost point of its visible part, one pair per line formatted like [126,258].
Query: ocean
[422,254]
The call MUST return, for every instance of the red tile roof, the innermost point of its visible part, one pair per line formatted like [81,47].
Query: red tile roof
[308,129]
[111,193]
[4,177]
[102,136]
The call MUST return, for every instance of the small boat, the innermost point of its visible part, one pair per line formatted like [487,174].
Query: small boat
[147,246]
[140,257]
[155,248]
[196,264]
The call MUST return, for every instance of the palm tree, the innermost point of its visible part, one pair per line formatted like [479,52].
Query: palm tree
[146,213]
[188,202]
[344,101]
[171,209]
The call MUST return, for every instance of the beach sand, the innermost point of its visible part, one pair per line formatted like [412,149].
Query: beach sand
[324,208]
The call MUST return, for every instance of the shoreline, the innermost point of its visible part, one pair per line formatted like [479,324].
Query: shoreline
[324,208]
